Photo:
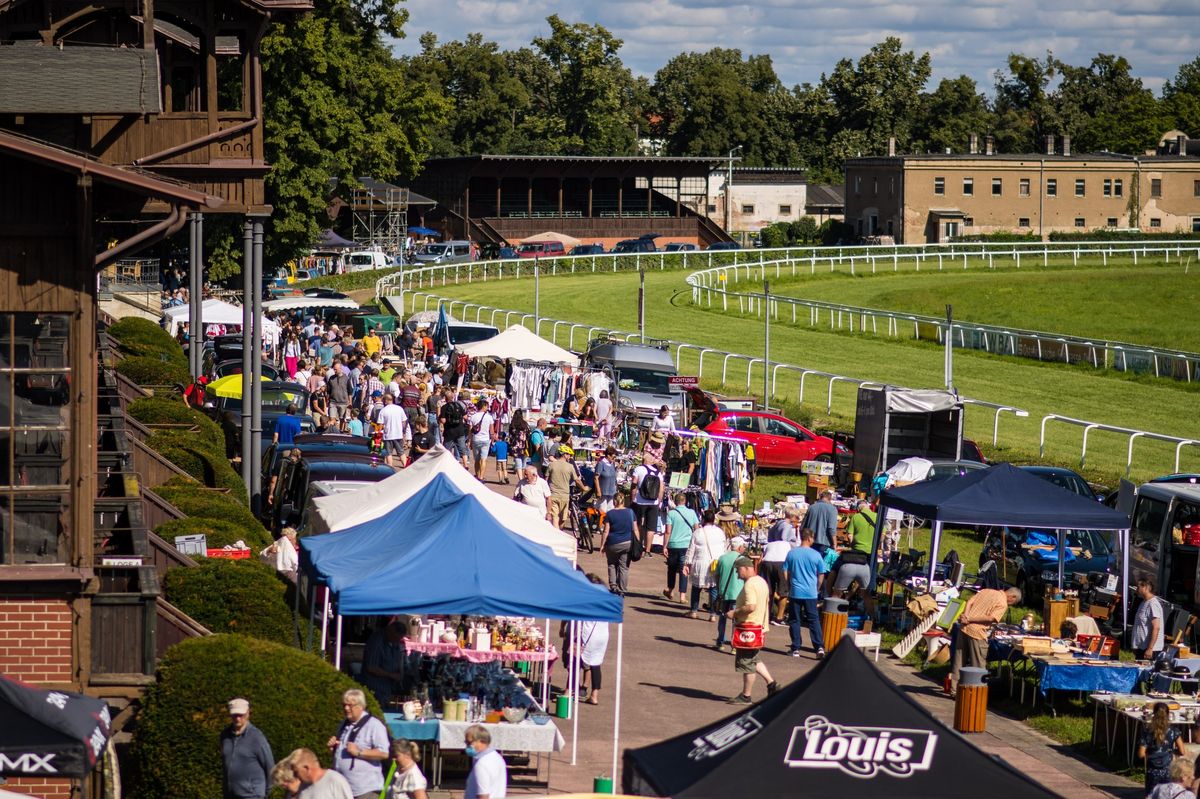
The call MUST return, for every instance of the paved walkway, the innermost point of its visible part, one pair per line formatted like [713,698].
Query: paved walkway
[674,681]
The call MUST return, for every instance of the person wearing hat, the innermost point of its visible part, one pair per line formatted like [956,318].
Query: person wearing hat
[656,446]
[753,606]
[246,756]
[727,588]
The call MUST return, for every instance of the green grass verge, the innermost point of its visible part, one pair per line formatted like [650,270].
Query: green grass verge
[611,300]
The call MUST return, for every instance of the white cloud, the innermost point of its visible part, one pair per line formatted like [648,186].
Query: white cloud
[807,37]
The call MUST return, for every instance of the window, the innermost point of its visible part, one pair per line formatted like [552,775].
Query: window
[1112,221]
[785,210]
[1108,187]
[1145,539]
[997,187]
[1155,223]
[968,221]
[779,427]
[875,185]
[1051,187]
[939,185]
[1118,188]
[1080,187]
[35,441]
[1023,187]
[1079,222]
[968,187]
[858,184]
[743,424]
[891,231]
[1196,188]
[1155,187]
[747,208]
[1023,221]
[1196,224]
[712,208]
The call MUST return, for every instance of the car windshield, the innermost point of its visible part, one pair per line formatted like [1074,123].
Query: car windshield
[363,258]
[274,400]
[436,249]
[648,380]
[1071,482]
[467,335]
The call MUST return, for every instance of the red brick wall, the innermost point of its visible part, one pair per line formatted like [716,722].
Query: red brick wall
[41,787]
[35,639]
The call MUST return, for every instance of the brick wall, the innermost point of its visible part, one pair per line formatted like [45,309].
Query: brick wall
[35,639]
[41,787]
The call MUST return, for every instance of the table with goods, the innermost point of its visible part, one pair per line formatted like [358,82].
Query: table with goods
[1118,719]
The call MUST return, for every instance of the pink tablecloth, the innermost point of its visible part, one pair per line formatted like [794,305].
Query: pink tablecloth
[478,656]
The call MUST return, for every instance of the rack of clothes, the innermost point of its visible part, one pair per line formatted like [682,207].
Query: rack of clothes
[542,386]
[717,463]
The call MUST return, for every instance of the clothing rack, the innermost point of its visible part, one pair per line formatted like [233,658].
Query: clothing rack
[713,436]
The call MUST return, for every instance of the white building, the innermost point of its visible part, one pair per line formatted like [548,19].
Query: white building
[758,197]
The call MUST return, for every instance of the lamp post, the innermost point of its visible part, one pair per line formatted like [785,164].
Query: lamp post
[729,190]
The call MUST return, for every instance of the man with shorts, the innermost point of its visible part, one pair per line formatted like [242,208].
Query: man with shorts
[648,485]
[396,432]
[452,417]
[753,605]
[561,475]
[481,436]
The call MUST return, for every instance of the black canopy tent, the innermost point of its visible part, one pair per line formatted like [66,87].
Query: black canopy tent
[48,733]
[842,730]
[1002,495]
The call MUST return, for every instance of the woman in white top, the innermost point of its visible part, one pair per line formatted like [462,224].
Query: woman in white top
[663,421]
[708,543]
[593,643]
[408,781]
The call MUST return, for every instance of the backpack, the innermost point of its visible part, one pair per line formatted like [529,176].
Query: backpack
[453,414]
[650,485]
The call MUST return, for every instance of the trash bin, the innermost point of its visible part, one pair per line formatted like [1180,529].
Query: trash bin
[970,703]
[833,622]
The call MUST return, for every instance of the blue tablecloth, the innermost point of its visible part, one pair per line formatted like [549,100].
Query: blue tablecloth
[1070,677]
[412,730]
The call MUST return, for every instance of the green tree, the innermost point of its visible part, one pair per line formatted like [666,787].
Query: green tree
[803,230]
[1181,98]
[775,235]
[1103,106]
[1025,110]
[951,113]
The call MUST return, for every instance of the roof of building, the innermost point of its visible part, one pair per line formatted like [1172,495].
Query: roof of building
[768,175]
[380,190]
[826,195]
[626,159]
[78,80]
[889,160]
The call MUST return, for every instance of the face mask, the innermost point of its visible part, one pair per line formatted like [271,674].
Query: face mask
[470,751]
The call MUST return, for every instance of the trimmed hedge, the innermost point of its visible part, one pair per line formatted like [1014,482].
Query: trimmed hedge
[199,459]
[219,533]
[141,337]
[1000,237]
[166,410]
[1123,235]
[234,596]
[295,699]
[154,370]
[194,500]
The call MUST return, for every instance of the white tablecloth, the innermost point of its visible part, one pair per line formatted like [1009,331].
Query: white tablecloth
[523,737]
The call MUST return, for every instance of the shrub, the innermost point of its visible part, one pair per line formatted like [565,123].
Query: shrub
[999,237]
[219,532]
[164,410]
[233,596]
[199,459]
[153,370]
[141,337]
[1123,235]
[295,699]
[195,500]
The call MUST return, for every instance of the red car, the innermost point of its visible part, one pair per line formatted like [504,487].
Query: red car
[779,443]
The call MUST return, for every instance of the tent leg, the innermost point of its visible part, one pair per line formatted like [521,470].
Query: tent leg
[575,690]
[1062,556]
[935,541]
[546,671]
[337,652]
[325,621]
[312,616]
[617,703]
[1124,582]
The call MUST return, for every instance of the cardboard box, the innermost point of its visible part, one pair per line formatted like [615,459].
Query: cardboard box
[821,468]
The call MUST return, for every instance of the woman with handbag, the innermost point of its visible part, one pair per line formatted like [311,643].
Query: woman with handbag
[750,630]
[620,537]
[708,543]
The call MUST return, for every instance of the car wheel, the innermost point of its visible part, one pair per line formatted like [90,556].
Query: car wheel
[824,457]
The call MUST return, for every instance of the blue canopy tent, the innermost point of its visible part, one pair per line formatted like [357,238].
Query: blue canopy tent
[1002,495]
[423,231]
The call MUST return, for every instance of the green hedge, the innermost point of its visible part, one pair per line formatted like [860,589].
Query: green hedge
[141,337]
[153,370]
[219,532]
[350,281]
[1001,237]
[295,699]
[194,500]
[166,410]
[198,458]
[234,596]
[1123,235]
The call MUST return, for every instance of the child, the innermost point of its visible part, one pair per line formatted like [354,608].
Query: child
[355,425]
[500,448]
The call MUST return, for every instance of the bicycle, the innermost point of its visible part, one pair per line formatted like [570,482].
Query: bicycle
[584,525]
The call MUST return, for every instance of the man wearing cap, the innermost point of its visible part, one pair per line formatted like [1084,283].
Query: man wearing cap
[246,755]
[728,588]
[561,475]
[753,605]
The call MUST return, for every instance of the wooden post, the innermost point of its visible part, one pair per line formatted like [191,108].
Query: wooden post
[529,198]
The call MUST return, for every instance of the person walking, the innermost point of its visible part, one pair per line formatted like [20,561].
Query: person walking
[319,782]
[726,588]
[489,774]
[708,543]
[805,569]
[681,520]
[245,755]
[481,437]
[593,644]
[397,435]
[360,747]
[822,519]
[408,782]
[753,603]
[561,475]
[533,491]
[606,481]
[648,486]
[1148,638]
[620,527]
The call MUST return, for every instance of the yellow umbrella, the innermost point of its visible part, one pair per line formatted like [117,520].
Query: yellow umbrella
[229,386]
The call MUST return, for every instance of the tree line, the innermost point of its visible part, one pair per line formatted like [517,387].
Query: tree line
[339,103]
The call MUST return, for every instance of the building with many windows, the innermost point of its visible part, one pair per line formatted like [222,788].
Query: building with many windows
[935,197]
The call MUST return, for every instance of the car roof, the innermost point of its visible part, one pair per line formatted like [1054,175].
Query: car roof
[1059,470]
[765,415]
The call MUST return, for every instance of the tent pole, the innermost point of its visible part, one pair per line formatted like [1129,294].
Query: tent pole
[1062,556]
[1124,534]
[575,690]
[935,541]
[546,671]
[325,621]
[877,540]
[312,616]
[337,653]
[617,702]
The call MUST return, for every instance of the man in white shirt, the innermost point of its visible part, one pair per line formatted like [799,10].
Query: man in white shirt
[319,783]
[396,432]
[489,774]
[479,427]
[533,490]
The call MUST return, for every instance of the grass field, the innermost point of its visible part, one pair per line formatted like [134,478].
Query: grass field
[611,300]
[1154,305]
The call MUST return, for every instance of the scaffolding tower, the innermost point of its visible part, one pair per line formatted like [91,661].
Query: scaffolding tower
[380,213]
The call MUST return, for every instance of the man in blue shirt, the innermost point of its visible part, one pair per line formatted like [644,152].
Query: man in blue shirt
[287,427]
[822,519]
[246,754]
[786,528]
[805,570]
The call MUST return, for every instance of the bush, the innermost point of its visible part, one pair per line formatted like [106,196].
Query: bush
[999,237]
[199,459]
[1123,235]
[233,596]
[195,500]
[163,410]
[141,337]
[154,370]
[295,699]
[219,533]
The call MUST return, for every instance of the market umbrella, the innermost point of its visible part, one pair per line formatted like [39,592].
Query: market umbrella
[567,241]
[50,733]
[229,386]
[423,231]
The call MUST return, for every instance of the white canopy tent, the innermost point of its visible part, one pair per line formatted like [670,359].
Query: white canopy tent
[302,303]
[521,343]
[342,511]
[217,312]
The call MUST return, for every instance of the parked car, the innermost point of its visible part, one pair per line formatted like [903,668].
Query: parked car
[367,260]
[325,293]
[541,249]
[1030,557]
[588,249]
[779,443]
[234,367]
[276,397]
[972,452]
[293,486]
[943,469]
[315,444]
[641,374]
[679,246]
[641,244]
[1064,478]
[449,252]
[507,253]
[724,245]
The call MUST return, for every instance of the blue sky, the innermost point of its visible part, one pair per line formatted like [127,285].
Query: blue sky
[805,38]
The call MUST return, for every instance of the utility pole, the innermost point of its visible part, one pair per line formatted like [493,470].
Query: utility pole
[642,305]
[949,363]
[767,344]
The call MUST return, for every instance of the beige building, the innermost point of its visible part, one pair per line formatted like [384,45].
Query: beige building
[758,197]
[932,198]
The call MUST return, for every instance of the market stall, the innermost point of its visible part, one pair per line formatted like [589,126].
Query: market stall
[219,318]
[842,730]
[520,343]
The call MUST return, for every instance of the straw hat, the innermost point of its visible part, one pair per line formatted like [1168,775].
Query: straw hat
[726,513]
[658,437]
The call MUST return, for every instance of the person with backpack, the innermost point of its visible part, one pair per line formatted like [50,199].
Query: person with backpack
[647,497]
[360,746]
[681,520]
[452,418]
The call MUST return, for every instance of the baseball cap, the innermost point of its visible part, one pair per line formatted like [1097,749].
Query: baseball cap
[238,707]
[737,541]
[376,393]
[742,561]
